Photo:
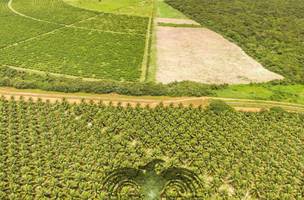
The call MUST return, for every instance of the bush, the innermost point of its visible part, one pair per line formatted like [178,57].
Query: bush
[26,80]
[218,106]
[277,109]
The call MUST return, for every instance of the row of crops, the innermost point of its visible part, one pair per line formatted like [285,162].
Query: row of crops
[64,151]
[271,31]
[52,36]
[15,28]
[80,53]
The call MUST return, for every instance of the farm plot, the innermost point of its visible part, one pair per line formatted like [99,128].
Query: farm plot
[51,10]
[117,23]
[62,151]
[123,7]
[202,55]
[75,41]
[81,53]
[15,28]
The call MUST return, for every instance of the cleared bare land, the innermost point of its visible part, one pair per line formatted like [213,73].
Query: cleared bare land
[176,21]
[204,56]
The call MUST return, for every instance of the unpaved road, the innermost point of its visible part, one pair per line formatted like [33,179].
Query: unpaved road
[239,104]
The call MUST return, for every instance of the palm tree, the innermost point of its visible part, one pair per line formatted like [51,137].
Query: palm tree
[151,184]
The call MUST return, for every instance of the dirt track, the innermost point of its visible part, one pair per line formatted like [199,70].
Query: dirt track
[239,104]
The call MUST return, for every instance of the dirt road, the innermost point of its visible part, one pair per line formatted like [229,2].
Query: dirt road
[239,104]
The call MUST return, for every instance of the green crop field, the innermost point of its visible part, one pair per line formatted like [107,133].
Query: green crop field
[52,42]
[128,7]
[271,31]
[73,149]
[63,151]
[52,36]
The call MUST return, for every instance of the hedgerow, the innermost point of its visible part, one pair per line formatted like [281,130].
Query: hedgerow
[25,80]
[271,31]
[63,151]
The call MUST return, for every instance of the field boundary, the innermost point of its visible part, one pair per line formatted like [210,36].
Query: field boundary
[62,26]
[145,62]
[69,25]
[146,57]
[247,105]
[152,65]
[109,12]
[51,73]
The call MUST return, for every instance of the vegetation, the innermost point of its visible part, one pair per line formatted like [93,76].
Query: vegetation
[26,80]
[166,11]
[80,53]
[65,151]
[129,7]
[13,27]
[271,31]
[219,106]
[293,93]
[76,42]
[179,25]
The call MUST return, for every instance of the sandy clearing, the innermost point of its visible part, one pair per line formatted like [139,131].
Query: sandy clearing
[201,55]
[176,21]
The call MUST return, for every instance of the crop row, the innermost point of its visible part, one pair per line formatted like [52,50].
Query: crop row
[57,11]
[81,53]
[65,151]
[52,10]
[15,28]
[93,50]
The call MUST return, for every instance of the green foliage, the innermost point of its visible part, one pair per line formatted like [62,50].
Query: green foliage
[63,151]
[72,41]
[26,80]
[129,7]
[218,106]
[271,31]
[150,183]
[52,10]
[267,91]
[179,25]
[81,53]
[277,109]
[15,28]
[166,11]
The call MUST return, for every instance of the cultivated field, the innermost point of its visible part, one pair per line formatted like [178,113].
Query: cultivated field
[65,151]
[91,137]
[124,7]
[81,46]
[51,36]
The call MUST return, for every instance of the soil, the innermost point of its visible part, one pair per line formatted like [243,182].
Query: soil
[201,55]
[239,104]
